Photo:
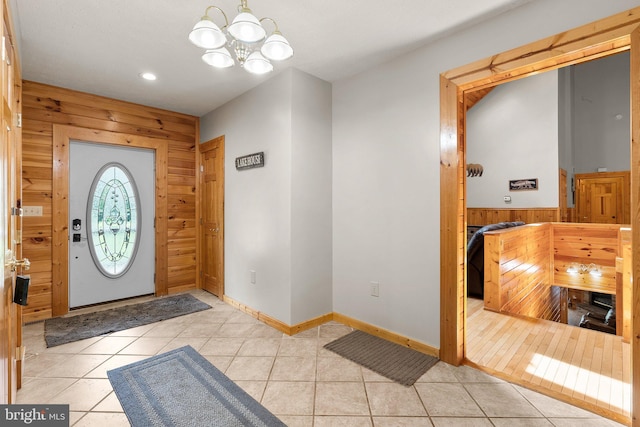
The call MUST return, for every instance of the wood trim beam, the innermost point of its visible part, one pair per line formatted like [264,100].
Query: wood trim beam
[588,42]
[452,222]
[62,135]
[635,229]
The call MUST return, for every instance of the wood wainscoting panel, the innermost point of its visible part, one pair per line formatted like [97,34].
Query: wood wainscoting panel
[486,216]
[44,106]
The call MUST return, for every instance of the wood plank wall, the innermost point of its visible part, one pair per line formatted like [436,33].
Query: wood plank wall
[585,244]
[518,272]
[486,216]
[44,106]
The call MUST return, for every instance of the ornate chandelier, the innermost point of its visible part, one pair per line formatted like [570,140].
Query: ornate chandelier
[246,37]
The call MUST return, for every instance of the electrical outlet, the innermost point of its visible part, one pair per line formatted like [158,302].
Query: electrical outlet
[375,289]
[252,275]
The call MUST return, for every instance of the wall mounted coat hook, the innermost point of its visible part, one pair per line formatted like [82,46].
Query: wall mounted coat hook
[474,169]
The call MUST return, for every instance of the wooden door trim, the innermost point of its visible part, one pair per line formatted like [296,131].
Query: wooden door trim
[562,193]
[611,35]
[202,148]
[62,135]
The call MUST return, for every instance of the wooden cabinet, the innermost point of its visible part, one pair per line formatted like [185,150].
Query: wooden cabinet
[603,197]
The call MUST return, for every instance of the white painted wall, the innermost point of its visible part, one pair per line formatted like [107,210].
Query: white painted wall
[257,209]
[385,177]
[592,98]
[601,114]
[386,151]
[513,133]
[311,236]
[278,218]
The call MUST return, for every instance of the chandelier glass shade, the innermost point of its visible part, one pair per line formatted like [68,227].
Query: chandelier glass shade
[245,37]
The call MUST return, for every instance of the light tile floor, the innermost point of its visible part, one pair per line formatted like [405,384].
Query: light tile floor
[294,377]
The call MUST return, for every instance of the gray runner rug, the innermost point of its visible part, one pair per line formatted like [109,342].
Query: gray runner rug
[394,361]
[62,330]
[182,388]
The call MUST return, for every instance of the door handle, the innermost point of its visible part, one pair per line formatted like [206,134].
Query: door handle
[15,263]
[215,230]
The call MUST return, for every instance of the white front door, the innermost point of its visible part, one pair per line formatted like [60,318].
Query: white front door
[111,223]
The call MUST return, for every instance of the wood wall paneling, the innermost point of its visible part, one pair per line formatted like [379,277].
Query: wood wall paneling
[586,244]
[173,133]
[486,216]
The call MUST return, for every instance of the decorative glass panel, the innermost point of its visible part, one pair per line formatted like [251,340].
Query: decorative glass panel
[113,215]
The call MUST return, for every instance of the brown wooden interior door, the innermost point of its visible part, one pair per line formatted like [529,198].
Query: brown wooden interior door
[212,216]
[601,199]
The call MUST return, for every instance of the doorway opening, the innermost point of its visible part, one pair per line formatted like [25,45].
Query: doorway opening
[62,138]
[111,211]
[609,36]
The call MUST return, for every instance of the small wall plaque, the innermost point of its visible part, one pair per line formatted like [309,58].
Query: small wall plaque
[523,184]
[250,161]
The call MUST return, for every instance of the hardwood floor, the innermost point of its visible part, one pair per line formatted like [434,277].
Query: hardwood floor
[586,368]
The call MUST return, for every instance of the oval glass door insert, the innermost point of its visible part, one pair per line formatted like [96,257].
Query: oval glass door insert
[113,220]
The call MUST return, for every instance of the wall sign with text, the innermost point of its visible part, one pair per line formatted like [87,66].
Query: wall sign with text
[250,161]
[523,184]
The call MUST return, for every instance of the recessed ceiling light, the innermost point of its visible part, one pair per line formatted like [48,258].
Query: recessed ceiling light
[148,76]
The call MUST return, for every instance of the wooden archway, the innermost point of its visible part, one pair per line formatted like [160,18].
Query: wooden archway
[608,36]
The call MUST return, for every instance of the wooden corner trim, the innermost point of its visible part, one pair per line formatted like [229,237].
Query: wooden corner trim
[341,318]
[275,323]
[387,335]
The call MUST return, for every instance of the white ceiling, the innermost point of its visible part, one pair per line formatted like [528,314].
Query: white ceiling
[101,46]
